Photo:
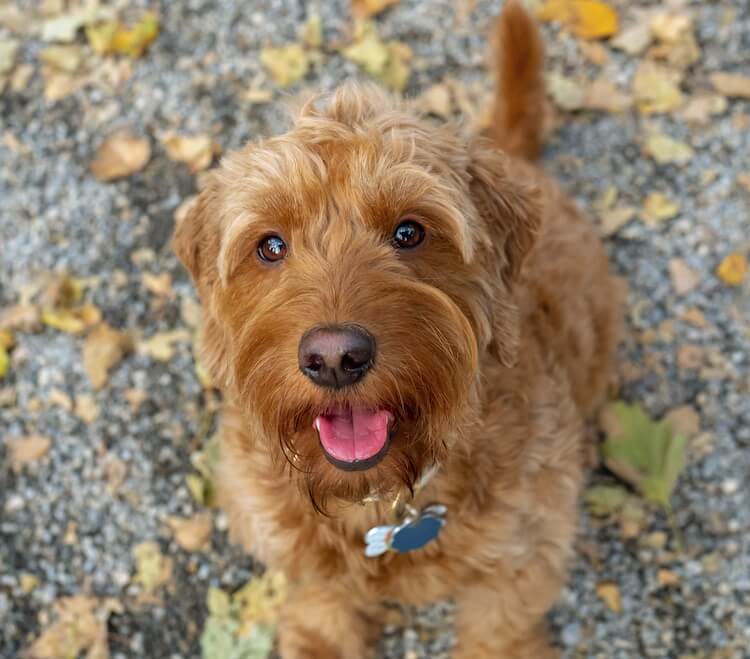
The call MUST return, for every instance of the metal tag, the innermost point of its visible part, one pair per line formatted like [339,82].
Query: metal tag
[416,531]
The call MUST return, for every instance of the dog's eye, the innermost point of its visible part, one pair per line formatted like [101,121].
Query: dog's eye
[408,234]
[272,249]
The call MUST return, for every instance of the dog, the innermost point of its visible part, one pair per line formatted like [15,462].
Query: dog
[410,327]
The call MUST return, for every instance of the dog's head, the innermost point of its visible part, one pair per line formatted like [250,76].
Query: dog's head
[354,273]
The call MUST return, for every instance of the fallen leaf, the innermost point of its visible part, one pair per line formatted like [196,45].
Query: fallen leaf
[8,51]
[370,8]
[586,19]
[605,500]
[603,95]
[72,321]
[678,45]
[733,269]
[6,343]
[695,317]
[63,29]
[667,150]
[257,96]
[28,582]
[25,450]
[612,220]
[161,346]
[113,38]
[312,31]
[388,62]
[656,89]
[190,312]
[702,107]
[58,84]
[594,52]
[120,155]
[196,151]
[609,593]
[683,420]
[731,84]
[159,285]
[80,625]
[567,93]
[60,399]
[646,454]
[63,58]
[23,317]
[633,40]
[684,278]
[437,100]
[86,408]
[153,569]
[287,64]
[103,349]
[667,577]
[260,600]
[743,178]
[658,207]
[135,398]
[192,533]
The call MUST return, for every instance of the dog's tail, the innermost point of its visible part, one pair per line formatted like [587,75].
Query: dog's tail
[519,104]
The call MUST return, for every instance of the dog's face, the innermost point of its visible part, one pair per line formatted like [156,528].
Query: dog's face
[354,272]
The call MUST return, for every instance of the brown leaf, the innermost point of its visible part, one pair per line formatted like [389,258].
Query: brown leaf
[120,155]
[23,317]
[196,151]
[153,569]
[192,533]
[656,89]
[667,150]
[684,420]
[159,285]
[612,220]
[103,349]
[60,399]
[603,95]
[161,346]
[667,577]
[609,592]
[25,450]
[684,278]
[63,58]
[86,408]
[702,107]
[369,8]
[731,84]
[658,207]
[695,317]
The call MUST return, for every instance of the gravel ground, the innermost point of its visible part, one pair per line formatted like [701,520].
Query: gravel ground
[59,520]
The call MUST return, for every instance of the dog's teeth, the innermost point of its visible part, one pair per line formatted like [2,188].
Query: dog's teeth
[316,424]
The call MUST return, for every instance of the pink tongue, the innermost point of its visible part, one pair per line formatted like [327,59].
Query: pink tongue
[355,434]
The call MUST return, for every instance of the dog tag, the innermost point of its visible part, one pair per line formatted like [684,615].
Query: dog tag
[413,533]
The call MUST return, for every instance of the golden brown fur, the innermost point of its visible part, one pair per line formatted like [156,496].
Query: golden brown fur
[496,339]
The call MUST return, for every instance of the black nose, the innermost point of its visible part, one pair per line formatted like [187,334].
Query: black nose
[336,355]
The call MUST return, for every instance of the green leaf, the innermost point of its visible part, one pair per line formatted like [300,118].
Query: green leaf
[647,454]
[605,500]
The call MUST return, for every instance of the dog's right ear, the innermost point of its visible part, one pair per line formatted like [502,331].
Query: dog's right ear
[195,240]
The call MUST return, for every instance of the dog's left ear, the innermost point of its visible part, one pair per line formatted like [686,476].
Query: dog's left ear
[509,208]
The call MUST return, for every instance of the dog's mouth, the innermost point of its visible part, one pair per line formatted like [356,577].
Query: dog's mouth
[354,438]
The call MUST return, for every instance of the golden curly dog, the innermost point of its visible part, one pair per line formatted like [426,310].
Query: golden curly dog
[409,326]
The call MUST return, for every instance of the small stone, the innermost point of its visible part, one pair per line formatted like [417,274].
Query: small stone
[730,486]
[571,634]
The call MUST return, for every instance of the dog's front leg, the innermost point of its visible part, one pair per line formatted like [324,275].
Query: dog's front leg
[321,620]
[499,621]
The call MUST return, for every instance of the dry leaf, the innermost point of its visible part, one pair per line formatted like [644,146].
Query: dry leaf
[86,408]
[370,8]
[611,221]
[23,317]
[609,593]
[80,625]
[112,37]
[153,569]
[312,31]
[436,100]
[58,85]
[731,84]
[8,52]
[192,533]
[656,89]
[72,321]
[667,578]
[190,312]
[677,40]
[743,178]
[60,399]
[683,420]
[159,285]
[594,52]
[684,278]
[586,19]
[633,40]
[63,58]
[667,150]
[287,65]
[103,349]
[257,96]
[567,93]
[161,346]
[733,269]
[196,151]
[690,357]
[28,582]
[605,500]
[658,207]
[603,95]
[120,155]
[694,317]
[25,450]
[388,62]
[6,343]
[702,107]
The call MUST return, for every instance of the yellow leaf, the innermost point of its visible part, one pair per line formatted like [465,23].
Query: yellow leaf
[8,52]
[369,8]
[388,62]
[64,58]
[71,321]
[120,155]
[6,339]
[733,269]
[260,601]
[153,569]
[436,100]
[567,93]
[603,95]
[612,220]
[86,408]
[656,89]
[196,151]
[609,593]
[28,582]
[101,36]
[192,533]
[161,346]
[25,450]
[731,84]
[103,349]
[4,362]
[587,19]
[134,41]
[658,207]
[312,31]
[287,64]
[664,149]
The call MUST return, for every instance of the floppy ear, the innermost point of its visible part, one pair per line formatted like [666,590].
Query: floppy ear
[509,208]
